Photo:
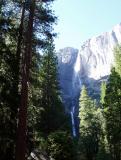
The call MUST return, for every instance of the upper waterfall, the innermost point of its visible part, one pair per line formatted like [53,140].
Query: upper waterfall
[77,65]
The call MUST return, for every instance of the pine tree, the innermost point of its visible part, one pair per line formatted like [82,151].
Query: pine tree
[52,116]
[40,24]
[22,126]
[13,24]
[112,107]
[89,127]
[112,113]
[103,90]
[61,146]
[117,59]
[8,88]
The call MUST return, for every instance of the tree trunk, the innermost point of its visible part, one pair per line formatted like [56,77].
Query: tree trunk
[19,44]
[22,126]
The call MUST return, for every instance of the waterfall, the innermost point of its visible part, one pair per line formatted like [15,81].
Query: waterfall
[76,85]
[77,65]
[76,81]
[73,121]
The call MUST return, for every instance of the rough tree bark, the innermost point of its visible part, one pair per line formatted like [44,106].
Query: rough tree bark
[22,126]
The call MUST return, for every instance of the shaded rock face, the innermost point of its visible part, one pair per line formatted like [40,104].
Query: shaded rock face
[89,65]
[66,61]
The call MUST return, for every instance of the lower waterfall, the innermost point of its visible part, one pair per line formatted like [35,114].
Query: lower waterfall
[73,121]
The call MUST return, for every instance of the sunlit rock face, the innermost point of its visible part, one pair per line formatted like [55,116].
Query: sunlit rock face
[89,65]
[97,53]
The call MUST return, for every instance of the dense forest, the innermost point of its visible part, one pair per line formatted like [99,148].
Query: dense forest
[33,121]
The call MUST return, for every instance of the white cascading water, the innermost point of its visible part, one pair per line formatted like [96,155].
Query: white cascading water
[76,82]
[77,65]
[76,76]
[73,121]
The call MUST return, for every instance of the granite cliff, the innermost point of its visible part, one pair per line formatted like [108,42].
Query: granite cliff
[89,65]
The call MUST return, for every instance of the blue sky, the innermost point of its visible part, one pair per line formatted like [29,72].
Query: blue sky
[79,20]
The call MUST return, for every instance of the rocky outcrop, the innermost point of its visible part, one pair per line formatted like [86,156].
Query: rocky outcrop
[38,155]
[89,65]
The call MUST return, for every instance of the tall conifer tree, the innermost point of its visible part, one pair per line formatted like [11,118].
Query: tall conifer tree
[52,117]
[103,90]
[112,114]
[13,24]
[89,127]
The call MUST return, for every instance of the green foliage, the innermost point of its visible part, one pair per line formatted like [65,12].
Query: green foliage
[103,149]
[90,126]
[103,90]
[52,116]
[61,146]
[117,59]
[8,86]
[10,69]
[112,110]
[110,100]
